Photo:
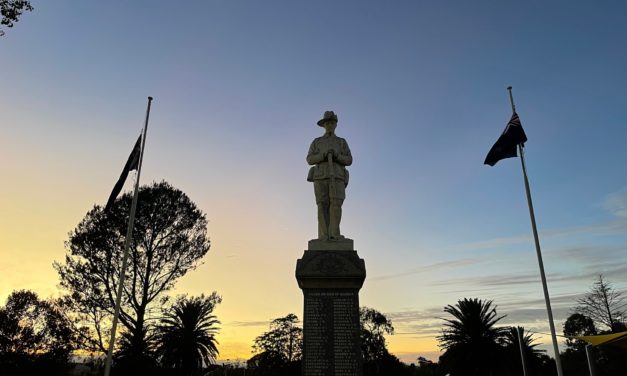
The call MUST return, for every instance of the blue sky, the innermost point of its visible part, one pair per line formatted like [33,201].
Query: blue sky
[420,91]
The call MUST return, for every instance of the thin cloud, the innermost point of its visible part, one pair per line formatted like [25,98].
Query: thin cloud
[587,254]
[532,311]
[539,302]
[616,203]
[496,242]
[608,268]
[617,226]
[414,315]
[249,323]
[494,280]
[417,323]
[430,268]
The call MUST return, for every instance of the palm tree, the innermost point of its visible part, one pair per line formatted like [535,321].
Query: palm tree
[471,341]
[529,344]
[186,334]
[135,352]
[535,358]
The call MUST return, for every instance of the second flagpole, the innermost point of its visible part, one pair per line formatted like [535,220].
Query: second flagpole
[547,299]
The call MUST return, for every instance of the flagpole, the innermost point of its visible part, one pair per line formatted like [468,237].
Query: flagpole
[129,233]
[547,300]
[523,358]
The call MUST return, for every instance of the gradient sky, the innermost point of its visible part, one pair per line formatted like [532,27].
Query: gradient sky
[420,91]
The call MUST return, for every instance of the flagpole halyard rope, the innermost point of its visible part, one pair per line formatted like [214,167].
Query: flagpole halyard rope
[547,300]
[129,234]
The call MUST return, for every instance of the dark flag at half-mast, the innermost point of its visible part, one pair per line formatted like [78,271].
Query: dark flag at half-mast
[131,164]
[505,146]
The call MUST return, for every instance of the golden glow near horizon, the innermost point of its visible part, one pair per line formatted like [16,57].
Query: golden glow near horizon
[235,266]
[251,262]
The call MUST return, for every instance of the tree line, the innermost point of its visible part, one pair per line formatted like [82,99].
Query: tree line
[162,334]
[157,331]
[472,342]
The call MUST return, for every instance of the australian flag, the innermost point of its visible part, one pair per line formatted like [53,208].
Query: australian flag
[131,164]
[505,146]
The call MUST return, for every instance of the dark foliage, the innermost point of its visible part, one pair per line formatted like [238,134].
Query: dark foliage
[169,239]
[268,363]
[386,364]
[279,351]
[377,360]
[578,325]
[538,363]
[135,353]
[425,368]
[33,334]
[227,370]
[186,334]
[283,341]
[11,10]
[472,344]
[608,360]
[574,361]
[374,325]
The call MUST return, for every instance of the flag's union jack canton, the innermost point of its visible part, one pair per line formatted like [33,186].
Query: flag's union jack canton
[505,146]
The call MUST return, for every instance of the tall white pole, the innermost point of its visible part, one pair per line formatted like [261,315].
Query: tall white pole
[127,243]
[547,300]
[590,359]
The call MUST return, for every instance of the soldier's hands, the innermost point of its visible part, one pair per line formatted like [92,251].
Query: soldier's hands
[332,152]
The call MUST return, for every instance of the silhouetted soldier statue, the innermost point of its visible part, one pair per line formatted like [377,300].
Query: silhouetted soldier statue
[329,155]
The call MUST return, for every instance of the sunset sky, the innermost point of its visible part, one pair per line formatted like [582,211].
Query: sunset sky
[420,91]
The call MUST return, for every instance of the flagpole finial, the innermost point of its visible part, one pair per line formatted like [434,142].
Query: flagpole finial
[149,98]
[509,88]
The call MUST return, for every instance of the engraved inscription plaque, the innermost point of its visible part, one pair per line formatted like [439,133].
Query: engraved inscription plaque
[331,312]
[331,332]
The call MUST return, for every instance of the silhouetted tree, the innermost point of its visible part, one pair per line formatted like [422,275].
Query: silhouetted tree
[529,344]
[535,357]
[387,364]
[578,325]
[377,360]
[471,342]
[186,333]
[284,339]
[609,360]
[574,359]
[426,367]
[271,364]
[279,351]
[136,352]
[11,11]
[33,333]
[604,305]
[169,239]
[374,325]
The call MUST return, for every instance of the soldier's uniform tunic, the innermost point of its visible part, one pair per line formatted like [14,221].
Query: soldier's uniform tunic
[329,196]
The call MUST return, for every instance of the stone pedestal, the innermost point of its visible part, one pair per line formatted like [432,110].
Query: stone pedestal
[330,280]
